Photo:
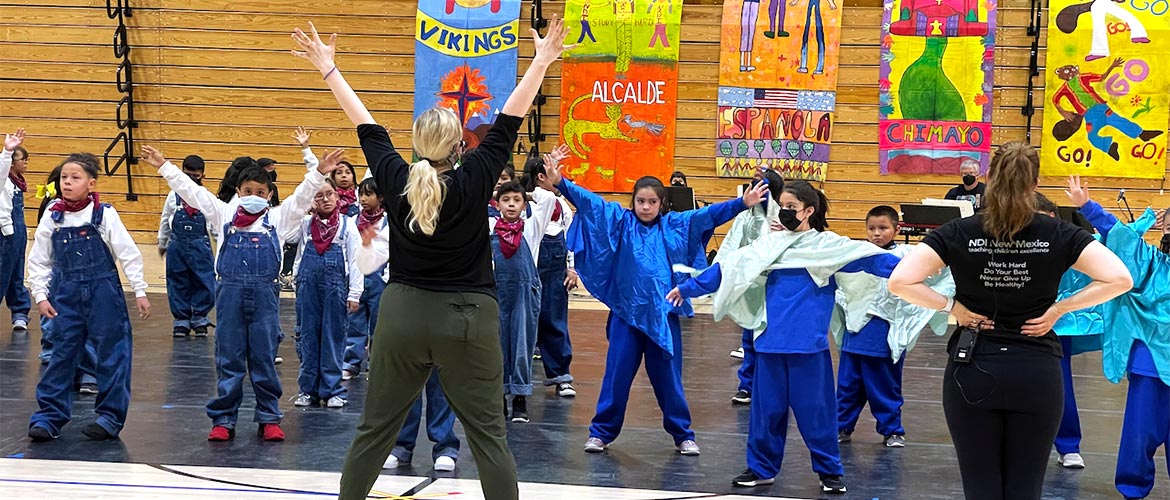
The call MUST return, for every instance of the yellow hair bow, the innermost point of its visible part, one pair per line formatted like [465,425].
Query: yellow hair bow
[47,191]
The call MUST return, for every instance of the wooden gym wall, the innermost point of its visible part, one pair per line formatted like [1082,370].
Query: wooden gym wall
[215,78]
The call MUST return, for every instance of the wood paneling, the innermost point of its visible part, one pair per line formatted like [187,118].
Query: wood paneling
[214,77]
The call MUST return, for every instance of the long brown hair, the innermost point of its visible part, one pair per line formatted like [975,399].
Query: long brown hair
[1010,201]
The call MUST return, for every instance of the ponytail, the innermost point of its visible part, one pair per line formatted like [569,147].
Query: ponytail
[424,193]
[1010,202]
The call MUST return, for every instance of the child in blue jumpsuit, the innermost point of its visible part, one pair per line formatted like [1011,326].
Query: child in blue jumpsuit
[1136,343]
[363,320]
[515,251]
[76,245]
[625,258]
[247,266]
[329,286]
[793,363]
[184,240]
[13,236]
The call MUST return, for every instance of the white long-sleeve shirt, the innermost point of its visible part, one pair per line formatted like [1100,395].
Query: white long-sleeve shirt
[114,235]
[6,190]
[350,242]
[543,203]
[369,259]
[170,207]
[286,218]
[556,227]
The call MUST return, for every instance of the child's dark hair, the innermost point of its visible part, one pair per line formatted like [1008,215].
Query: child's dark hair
[55,181]
[510,187]
[252,173]
[329,181]
[653,183]
[775,184]
[22,151]
[346,164]
[811,197]
[884,211]
[227,187]
[368,186]
[533,168]
[511,171]
[87,162]
[265,162]
[194,163]
[1043,204]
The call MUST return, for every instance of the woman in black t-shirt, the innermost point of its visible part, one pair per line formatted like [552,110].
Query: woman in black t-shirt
[1002,389]
[439,309]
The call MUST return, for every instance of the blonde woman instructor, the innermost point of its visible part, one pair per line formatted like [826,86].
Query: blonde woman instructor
[439,309]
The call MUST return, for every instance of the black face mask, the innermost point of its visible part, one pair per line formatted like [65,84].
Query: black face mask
[678,183]
[1166,243]
[968,180]
[272,176]
[788,218]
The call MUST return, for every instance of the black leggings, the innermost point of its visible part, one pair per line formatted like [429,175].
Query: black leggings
[1003,411]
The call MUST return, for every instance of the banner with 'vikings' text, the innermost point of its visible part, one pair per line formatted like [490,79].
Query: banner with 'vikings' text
[1107,88]
[465,59]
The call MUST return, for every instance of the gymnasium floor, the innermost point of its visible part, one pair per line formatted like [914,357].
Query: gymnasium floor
[163,452]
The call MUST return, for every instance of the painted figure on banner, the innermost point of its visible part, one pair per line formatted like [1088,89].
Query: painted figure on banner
[935,85]
[465,53]
[1108,87]
[773,112]
[620,91]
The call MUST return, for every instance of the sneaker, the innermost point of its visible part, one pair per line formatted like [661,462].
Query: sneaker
[895,441]
[844,437]
[346,375]
[566,390]
[221,433]
[40,434]
[688,448]
[97,432]
[749,479]
[303,399]
[278,360]
[832,484]
[741,398]
[737,353]
[1072,461]
[444,464]
[180,332]
[20,326]
[536,355]
[271,432]
[594,445]
[199,331]
[519,410]
[393,463]
[88,388]
[336,402]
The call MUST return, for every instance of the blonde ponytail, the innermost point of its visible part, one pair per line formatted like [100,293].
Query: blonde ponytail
[436,133]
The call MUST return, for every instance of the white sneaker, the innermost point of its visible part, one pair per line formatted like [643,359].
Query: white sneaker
[391,462]
[346,375]
[303,399]
[566,390]
[20,326]
[737,354]
[688,448]
[336,402]
[278,360]
[444,464]
[594,445]
[1072,461]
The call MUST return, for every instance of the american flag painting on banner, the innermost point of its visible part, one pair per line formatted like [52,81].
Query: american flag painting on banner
[772,98]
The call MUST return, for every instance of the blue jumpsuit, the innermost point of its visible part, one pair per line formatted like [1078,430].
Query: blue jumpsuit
[190,270]
[626,264]
[91,308]
[865,374]
[556,351]
[12,248]
[322,289]
[362,322]
[518,291]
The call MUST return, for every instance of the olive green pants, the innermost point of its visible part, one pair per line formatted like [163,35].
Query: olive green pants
[458,335]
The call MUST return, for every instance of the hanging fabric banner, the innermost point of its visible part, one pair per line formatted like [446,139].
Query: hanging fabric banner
[935,82]
[1107,89]
[465,59]
[619,91]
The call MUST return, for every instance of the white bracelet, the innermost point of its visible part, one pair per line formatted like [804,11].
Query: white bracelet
[950,305]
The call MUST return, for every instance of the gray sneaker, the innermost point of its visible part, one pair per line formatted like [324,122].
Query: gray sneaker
[688,448]
[895,441]
[336,402]
[594,445]
[303,399]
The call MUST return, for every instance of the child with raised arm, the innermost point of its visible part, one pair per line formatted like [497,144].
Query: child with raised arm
[14,236]
[247,266]
[184,240]
[365,318]
[75,248]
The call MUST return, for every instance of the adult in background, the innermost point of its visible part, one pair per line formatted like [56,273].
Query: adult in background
[439,309]
[971,189]
[1002,388]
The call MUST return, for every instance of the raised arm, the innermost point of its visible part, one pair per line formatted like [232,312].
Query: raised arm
[321,55]
[1078,194]
[302,198]
[194,194]
[880,265]
[374,251]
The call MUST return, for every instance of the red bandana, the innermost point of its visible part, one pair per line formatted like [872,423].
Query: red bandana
[557,212]
[509,234]
[367,219]
[324,230]
[63,205]
[244,219]
[18,179]
[191,211]
[345,198]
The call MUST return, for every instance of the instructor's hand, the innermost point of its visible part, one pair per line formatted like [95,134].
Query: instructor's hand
[1038,327]
[968,319]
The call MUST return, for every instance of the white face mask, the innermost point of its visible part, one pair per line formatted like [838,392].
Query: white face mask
[253,204]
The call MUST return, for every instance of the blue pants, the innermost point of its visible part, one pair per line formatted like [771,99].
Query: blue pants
[322,288]
[245,343]
[1068,437]
[803,382]
[1146,428]
[552,334]
[518,290]
[12,289]
[190,281]
[809,19]
[627,347]
[362,322]
[1098,117]
[748,368]
[440,425]
[862,379]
